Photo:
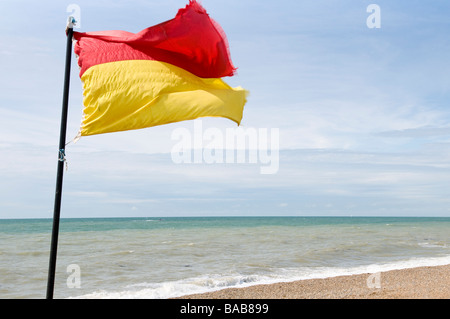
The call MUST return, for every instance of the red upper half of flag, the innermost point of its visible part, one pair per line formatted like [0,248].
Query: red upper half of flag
[192,41]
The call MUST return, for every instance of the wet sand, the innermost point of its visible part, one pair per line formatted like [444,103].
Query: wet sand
[414,283]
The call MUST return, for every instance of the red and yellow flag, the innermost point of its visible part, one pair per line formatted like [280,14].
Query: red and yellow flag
[167,73]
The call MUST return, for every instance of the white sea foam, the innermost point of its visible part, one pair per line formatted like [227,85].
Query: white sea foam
[217,282]
[433,245]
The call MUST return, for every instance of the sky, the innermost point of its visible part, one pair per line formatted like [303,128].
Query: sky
[357,117]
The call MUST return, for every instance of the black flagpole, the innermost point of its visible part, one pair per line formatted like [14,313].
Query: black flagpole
[61,160]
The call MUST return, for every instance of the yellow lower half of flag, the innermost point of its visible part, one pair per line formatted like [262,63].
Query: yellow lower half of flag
[134,94]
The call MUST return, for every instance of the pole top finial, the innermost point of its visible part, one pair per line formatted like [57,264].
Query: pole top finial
[70,23]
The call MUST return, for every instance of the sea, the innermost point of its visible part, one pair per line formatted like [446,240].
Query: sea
[160,257]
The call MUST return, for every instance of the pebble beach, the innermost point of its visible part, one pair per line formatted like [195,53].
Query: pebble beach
[413,283]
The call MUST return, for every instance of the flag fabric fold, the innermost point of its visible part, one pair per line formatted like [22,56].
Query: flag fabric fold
[167,73]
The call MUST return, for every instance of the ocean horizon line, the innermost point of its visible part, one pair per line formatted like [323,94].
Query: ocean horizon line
[232,216]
